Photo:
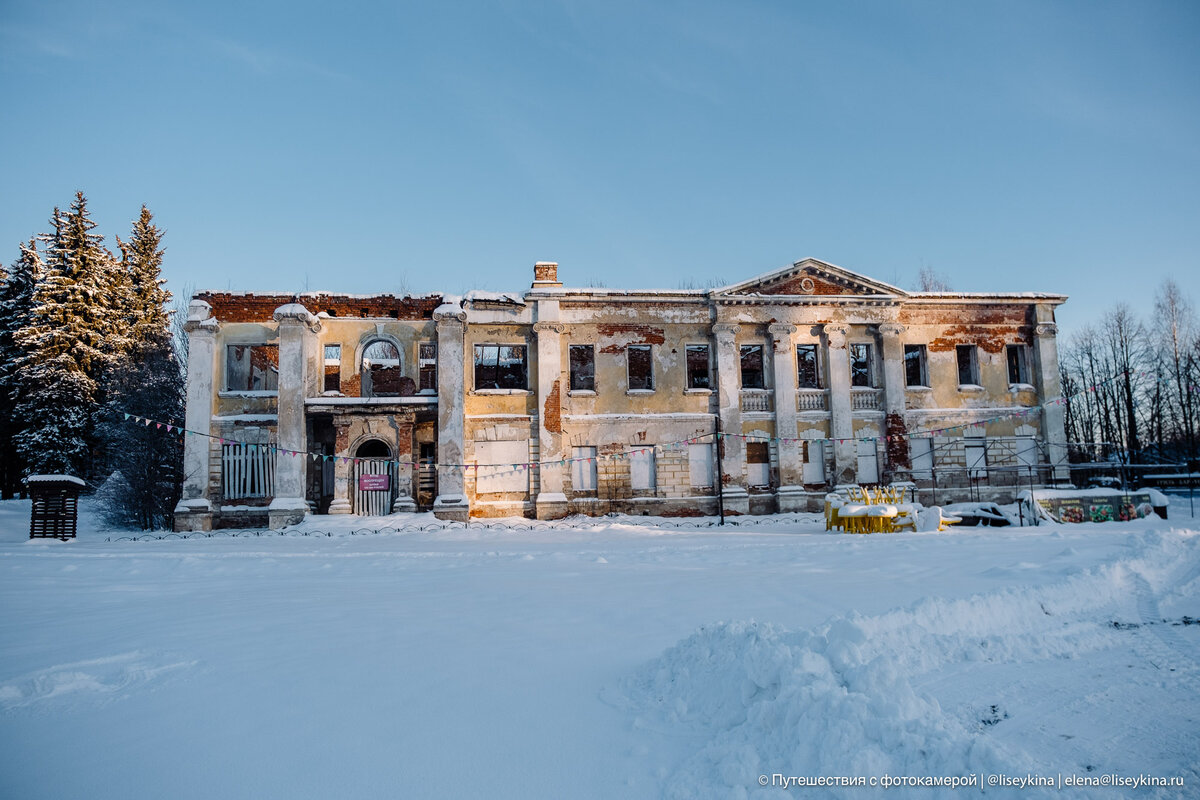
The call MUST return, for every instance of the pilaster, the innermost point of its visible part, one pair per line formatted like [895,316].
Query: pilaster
[789,495]
[451,501]
[194,511]
[894,386]
[841,419]
[729,400]
[288,506]
[1045,349]
[551,500]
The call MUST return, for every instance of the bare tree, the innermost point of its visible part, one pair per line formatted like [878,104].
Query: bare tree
[1175,329]
[929,280]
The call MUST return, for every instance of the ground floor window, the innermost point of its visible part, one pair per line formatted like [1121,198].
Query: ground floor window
[583,469]
[700,466]
[642,477]
[758,464]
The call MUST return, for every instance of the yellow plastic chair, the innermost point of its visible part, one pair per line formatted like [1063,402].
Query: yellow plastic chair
[854,518]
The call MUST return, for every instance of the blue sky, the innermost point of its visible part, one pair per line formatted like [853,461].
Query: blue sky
[448,146]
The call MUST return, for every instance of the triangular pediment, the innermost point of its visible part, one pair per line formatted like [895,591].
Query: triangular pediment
[809,278]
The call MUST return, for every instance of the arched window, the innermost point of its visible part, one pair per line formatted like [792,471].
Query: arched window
[380,369]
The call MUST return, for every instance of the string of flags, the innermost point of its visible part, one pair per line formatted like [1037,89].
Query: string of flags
[699,438]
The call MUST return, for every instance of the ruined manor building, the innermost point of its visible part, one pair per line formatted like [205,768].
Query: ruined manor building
[759,396]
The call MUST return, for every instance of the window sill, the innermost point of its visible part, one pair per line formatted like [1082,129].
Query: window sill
[971,387]
[581,393]
[697,391]
[1022,387]
[501,391]
[639,391]
[248,393]
[921,388]
[756,389]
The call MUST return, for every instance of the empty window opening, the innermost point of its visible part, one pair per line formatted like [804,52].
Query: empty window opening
[968,365]
[861,371]
[252,367]
[752,366]
[915,371]
[381,369]
[808,373]
[641,368]
[583,367]
[697,367]
[1018,368]
[500,366]
[427,366]
[333,368]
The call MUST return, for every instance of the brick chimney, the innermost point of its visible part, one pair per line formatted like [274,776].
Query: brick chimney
[545,275]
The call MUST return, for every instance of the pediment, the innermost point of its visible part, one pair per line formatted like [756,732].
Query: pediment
[809,278]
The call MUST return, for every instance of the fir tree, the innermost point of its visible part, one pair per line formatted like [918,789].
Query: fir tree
[144,461]
[16,303]
[65,348]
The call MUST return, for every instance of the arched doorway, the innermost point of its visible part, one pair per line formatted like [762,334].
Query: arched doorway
[374,479]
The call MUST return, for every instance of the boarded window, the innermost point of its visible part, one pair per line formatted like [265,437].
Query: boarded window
[968,365]
[758,464]
[583,469]
[861,373]
[583,368]
[498,469]
[500,366]
[252,367]
[1018,371]
[920,455]
[752,366]
[642,473]
[333,368]
[641,368]
[814,461]
[381,369]
[427,366]
[1027,451]
[697,367]
[914,365]
[808,375]
[975,452]
[868,461]
[700,465]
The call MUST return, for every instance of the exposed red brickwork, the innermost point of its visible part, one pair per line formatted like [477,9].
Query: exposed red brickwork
[552,410]
[793,286]
[352,386]
[636,334]
[965,314]
[990,339]
[897,442]
[545,271]
[228,307]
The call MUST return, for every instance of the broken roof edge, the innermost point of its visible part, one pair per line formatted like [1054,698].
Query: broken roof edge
[1041,297]
[201,294]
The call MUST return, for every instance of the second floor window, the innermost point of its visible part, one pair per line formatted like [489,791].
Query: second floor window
[808,374]
[1018,368]
[697,367]
[640,366]
[583,368]
[752,366]
[252,367]
[381,369]
[968,365]
[914,365]
[861,368]
[333,368]
[500,366]
[427,366]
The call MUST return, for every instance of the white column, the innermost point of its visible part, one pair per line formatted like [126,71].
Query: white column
[1054,434]
[451,501]
[288,506]
[729,401]
[194,511]
[841,413]
[551,501]
[789,496]
[894,387]
[341,468]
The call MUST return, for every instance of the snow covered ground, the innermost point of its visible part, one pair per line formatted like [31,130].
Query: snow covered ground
[614,661]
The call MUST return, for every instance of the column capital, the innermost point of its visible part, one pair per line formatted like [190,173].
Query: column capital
[449,315]
[296,314]
[781,330]
[725,332]
[836,334]
[891,329]
[1046,329]
[556,328]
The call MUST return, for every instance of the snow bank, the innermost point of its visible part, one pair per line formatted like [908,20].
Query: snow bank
[843,699]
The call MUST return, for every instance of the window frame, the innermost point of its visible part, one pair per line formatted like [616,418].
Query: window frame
[477,347]
[367,376]
[332,376]
[591,379]
[743,351]
[251,347]
[585,467]
[816,361]
[691,377]
[922,361]
[649,378]
[427,366]
[869,371]
[1023,377]
[972,365]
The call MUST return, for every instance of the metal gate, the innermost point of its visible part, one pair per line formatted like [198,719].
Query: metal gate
[371,501]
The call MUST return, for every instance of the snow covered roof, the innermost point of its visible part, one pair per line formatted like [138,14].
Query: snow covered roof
[55,479]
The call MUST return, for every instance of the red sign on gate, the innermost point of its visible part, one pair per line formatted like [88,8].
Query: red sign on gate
[373,483]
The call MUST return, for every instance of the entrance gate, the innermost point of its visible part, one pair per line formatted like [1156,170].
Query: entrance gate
[374,486]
